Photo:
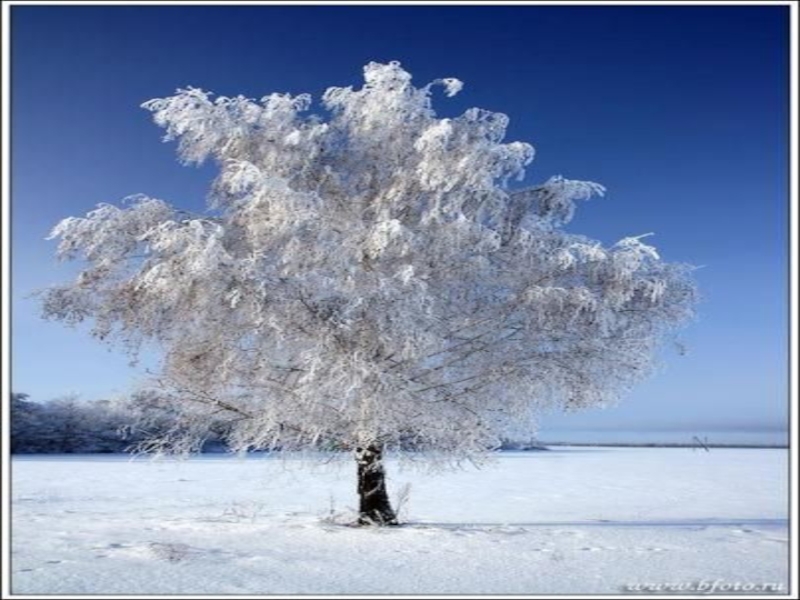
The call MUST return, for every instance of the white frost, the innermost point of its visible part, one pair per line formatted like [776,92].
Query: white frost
[366,275]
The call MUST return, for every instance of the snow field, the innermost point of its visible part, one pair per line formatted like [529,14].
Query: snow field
[571,520]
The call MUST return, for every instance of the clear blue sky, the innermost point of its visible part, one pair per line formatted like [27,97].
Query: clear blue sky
[681,112]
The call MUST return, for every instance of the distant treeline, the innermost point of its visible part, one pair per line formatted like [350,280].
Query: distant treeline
[69,425]
[694,445]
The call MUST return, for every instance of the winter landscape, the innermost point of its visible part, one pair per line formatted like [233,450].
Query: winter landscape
[334,339]
[568,520]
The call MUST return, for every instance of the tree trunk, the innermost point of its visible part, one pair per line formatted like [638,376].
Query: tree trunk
[374,507]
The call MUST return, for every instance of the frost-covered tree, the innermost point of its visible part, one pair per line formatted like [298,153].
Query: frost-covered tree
[68,424]
[366,278]
[25,417]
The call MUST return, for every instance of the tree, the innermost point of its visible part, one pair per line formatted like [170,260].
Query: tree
[65,428]
[24,422]
[103,423]
[366,277]
[55,426]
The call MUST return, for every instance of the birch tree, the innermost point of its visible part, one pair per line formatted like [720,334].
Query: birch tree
[367,276]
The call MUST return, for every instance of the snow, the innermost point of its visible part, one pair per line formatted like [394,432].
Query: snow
[569,520]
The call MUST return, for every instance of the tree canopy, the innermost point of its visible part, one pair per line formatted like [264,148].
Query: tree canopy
[366,273]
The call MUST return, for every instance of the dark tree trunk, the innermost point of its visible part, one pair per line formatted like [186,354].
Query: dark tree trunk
[374,507]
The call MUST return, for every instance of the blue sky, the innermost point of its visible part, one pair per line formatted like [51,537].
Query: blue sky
[681,112]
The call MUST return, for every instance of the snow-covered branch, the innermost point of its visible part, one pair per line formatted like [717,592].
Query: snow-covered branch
[367,274]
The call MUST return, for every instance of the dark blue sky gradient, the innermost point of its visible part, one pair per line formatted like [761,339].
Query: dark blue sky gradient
[681,112]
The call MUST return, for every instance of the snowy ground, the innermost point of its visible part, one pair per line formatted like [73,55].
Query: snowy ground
[571,520]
